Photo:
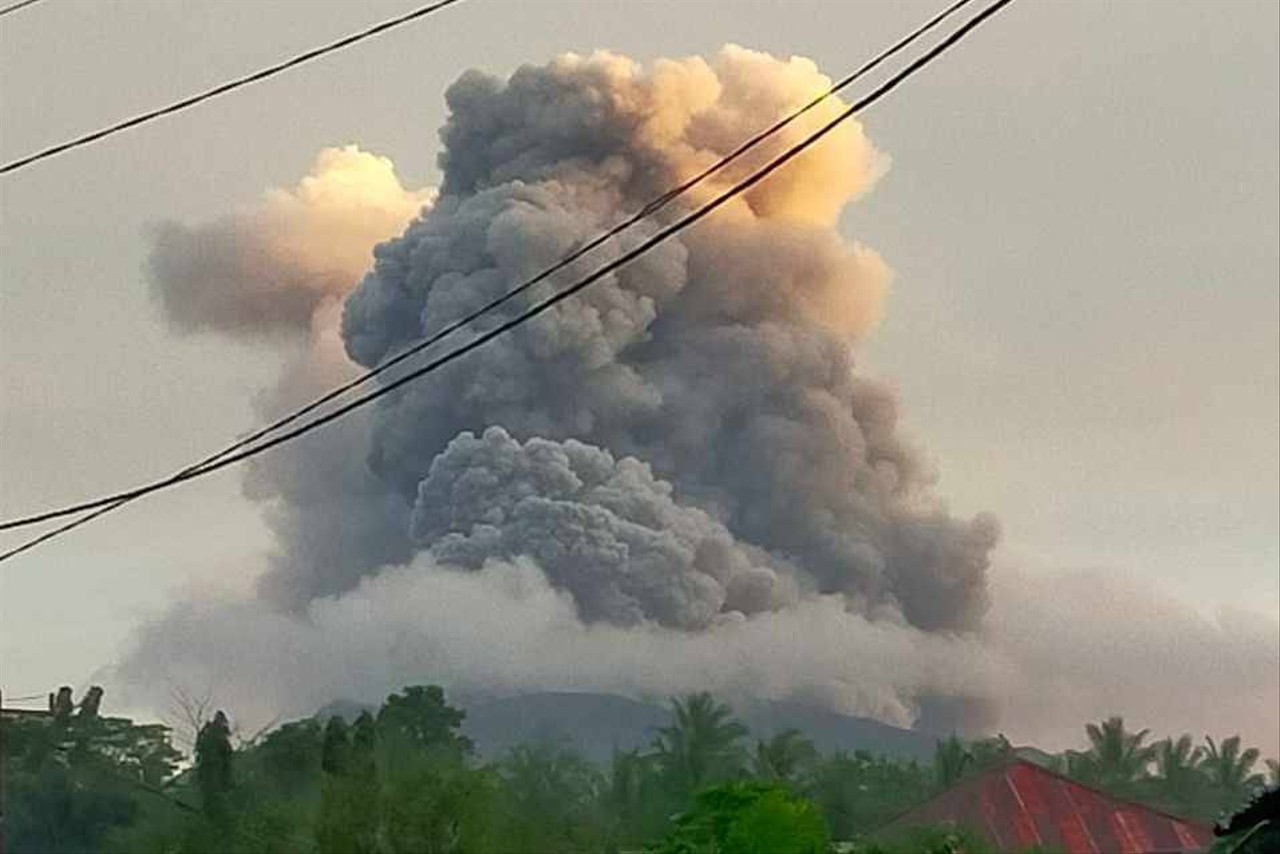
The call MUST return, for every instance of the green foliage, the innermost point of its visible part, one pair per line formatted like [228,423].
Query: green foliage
[364,745]
[290,756]
[1117,760]
[436,808]
[634,800]
[954,759]
[72,779]
[747,817]
[405,780]
[348,819]
[1230,768]
[950,761]
[420,719]
[701,745]
[1178,761]
[787,757]
[938,839]
[62,808]
[860,793]
[550,800]
[213,767]
[335,752]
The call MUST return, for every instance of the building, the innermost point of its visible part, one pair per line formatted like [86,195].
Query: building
[1020,806]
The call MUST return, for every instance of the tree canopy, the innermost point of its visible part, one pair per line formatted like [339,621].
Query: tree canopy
[404,778]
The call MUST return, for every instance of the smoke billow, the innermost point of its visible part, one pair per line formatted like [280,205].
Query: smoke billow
[265,271]
[604,530]
[1058,651]
[722,359]
[676,479]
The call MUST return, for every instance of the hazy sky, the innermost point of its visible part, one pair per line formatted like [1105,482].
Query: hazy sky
[1081,214]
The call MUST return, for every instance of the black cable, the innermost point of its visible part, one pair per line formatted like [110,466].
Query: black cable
[539,308]
[199,470]
[14,7]
[661,202]
[223,88]
[69,526]
[26,699]
[647,210]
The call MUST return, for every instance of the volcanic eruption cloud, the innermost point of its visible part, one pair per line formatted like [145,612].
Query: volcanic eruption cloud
[677,479]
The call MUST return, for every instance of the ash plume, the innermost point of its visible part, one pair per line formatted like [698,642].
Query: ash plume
[264,271]
[605,530]
[722,359]
[677,479]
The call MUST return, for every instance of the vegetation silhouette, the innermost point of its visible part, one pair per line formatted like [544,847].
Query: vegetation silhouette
[406,779]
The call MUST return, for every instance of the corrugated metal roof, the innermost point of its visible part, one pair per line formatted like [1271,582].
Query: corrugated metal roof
[1019,806]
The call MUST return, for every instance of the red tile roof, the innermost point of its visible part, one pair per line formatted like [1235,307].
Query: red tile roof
[1019,806]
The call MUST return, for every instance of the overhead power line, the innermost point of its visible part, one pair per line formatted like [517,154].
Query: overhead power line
[541,307]
[224,88]
[649,209]
[14,7]
[27,698]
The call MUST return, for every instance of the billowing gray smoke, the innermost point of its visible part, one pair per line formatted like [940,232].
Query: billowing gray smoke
[604,529]
[683,450]
[720,361]
[676,480]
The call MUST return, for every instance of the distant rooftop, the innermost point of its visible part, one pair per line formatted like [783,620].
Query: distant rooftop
[1019,805]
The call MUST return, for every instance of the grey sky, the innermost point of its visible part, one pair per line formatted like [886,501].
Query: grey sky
[1081,214]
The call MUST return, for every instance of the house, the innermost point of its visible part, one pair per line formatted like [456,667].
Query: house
[1018,805]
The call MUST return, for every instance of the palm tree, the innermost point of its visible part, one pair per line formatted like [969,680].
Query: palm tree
[784,757]
[986,752]
[1179,776]
[1178,762]
[701,744]
[1273,772]
[633,797]
[1116,757]
[1231,770]
[950,761]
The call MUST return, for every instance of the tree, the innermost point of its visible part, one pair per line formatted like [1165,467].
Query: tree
[700,746]
[634,799]
[420,718]
[73,779]
[1179,778]
[349,818]
[750,818]
[987,752]
[859,793]
[1116,757]
[291,756]
[1255,829]
[335,753]
[1177,761]
[953,758]
[349,798]
[930,839]
[435,805]
[1230,770]
[364,747]
[213,766]
[950,761]
[785,757]
[548,801]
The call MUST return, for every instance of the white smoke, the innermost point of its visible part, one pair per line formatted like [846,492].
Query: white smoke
[266,270]
[676,480]
[1059,652]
